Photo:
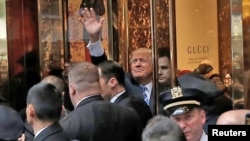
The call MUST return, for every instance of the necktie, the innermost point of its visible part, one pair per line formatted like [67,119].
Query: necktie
[146,99]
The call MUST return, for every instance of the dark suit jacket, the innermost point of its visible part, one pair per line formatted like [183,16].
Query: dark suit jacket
[139,105]
[97,120]
[132,87]
[28,132]
[52,133]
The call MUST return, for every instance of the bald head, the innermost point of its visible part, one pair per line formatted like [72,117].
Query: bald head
[85,77]
[233,117]
[54,80]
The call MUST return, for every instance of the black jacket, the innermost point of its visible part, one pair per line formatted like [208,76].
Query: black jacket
[97,120]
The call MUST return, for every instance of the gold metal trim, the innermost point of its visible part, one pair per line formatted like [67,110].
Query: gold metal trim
[182,103]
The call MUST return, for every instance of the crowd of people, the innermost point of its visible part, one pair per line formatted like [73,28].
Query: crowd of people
[110,104]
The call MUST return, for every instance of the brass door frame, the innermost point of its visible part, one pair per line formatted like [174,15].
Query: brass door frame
[124,42]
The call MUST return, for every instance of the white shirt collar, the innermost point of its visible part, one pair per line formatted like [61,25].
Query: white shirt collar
[112,100]
[37,133]
[204,137]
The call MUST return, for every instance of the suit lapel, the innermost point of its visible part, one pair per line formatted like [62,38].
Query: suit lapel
[152,103]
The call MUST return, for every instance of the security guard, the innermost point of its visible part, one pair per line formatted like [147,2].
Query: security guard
[184,106]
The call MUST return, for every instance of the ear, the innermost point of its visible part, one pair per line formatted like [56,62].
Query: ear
[203,116]
[112,82]
[72,90]
[30,111]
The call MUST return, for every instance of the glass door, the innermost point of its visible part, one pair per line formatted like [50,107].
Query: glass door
[3,55]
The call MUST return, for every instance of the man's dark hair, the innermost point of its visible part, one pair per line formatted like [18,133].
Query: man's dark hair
[112,69]
[203,69]
[214,75]
[164,51]
[46,100]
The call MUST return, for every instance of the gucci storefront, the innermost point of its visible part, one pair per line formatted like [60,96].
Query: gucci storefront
[38,36]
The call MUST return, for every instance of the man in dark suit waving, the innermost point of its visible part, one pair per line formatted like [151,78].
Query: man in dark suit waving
[141,62]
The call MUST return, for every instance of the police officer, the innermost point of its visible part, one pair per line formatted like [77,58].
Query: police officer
[184,106]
